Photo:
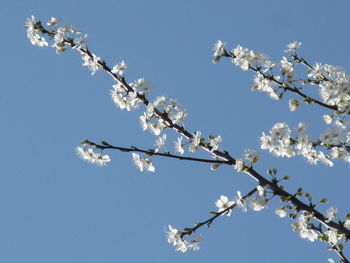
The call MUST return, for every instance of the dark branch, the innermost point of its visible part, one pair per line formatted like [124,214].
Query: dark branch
[106,145]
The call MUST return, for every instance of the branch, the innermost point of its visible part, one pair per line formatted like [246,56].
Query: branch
[209,221]
[284,85]
[105,145]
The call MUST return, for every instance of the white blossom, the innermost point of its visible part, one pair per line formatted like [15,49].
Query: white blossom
[287,67]
[268,65]
[347,223]
[331,213]
[215,142]
[260,190]
[195,141]
[330,137]
[301,127]
[102,160]
[59,38]
[91,63]
[223,203]
[160,143]
[174,238]
[324,159]
[123,99]
[80,42]
[332,237]
[141,85]
[173,235]
[239,165]
[90,156]
[304,226]
[53,21]
[146,121]
[327,119]
[33,33]
[263,84]
[280,131]
[342,124]
[293,46]
[257,204]
[281,212]
[279,142]
[334,85]
[240,202]
[219,49]
[304,145]
[266,142]
[142,163]
[119,68]
[293,104]
[251,155]
[308,234]
[242,57]
[178,146]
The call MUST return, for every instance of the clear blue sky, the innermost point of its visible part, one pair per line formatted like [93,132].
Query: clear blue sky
[56,208]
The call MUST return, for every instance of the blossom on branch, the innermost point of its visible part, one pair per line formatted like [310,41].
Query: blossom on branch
[160,143]
[119,68]
[91,63]
[195,141]
[305,227]
[33,34]
[178,146]
[223,203]
[143,163]
[219,50]
[293,46]
[90,156]
[174,237]
[124,99]
[263,84]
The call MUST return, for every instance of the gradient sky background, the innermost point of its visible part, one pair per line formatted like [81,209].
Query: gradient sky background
[56,208]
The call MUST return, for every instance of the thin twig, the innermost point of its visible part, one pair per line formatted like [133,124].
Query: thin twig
[105,145]
[210,220]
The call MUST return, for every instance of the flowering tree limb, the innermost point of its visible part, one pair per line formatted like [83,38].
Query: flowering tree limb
[104,145]
[165,113]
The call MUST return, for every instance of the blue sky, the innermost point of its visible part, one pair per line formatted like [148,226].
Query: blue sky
[57,208]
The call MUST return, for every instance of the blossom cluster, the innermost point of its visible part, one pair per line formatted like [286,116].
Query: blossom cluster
[256,203]
[334,85]
[142,163]
[124,99]
[92,62]
[90,156]
[334,90]
[64,37]
[307,230]
[250,157]
[281,144]
[175,238]
[266,85]
[245,58]
[33,32]
[173,114]
[304,226]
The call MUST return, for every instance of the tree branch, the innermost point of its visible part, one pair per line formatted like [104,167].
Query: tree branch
[105,145]
[285,86]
